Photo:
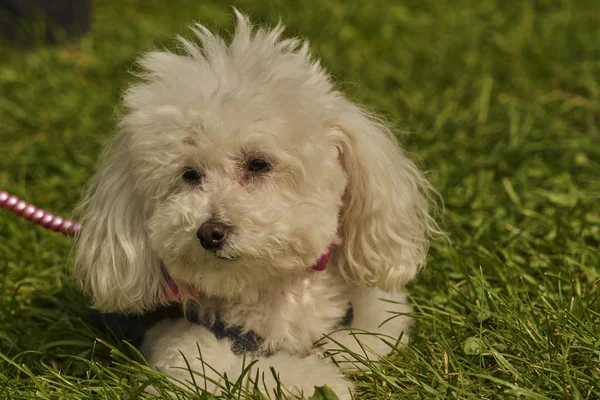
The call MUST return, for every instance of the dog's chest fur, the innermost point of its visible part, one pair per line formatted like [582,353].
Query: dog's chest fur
[289,316]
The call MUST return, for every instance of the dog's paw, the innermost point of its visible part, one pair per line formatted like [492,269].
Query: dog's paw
[300,376]
[354,350]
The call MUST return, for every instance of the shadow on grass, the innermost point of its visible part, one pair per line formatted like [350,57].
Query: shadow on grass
[54,330]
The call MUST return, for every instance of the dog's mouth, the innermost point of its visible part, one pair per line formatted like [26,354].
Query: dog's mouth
[225,255]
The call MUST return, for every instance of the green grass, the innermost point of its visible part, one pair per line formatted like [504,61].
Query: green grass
[501,102]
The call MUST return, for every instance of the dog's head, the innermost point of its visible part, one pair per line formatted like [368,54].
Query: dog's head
[236,165]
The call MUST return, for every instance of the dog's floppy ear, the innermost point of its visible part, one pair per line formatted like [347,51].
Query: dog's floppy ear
[113,260]
[385,222]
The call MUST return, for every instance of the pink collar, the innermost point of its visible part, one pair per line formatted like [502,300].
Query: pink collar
[171,293]
[322,262]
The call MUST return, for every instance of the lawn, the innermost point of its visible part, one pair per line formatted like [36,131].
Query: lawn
[499,101]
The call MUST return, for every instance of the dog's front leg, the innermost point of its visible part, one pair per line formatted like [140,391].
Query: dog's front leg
[378,323]
[192,354]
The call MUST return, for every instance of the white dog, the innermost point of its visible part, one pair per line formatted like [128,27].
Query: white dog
[238,175]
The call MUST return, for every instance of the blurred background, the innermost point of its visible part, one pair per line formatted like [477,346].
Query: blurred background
[498,101]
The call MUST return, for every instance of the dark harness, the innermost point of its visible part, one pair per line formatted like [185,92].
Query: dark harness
[132,328]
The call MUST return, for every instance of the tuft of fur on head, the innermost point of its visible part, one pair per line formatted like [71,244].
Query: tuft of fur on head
[335,176]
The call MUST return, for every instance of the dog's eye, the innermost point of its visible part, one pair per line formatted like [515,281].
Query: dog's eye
[259,165]
[192,176]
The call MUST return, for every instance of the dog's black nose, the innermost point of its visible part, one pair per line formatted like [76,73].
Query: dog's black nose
[213,234]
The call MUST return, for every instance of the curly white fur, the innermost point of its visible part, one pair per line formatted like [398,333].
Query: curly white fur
[336,176]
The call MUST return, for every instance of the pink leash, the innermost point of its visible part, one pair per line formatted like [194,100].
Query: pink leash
[37,215]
